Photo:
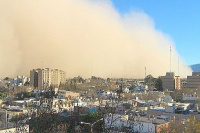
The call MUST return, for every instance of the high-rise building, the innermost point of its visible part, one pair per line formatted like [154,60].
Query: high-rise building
[34,77]
[44,78]
[171,82]
[194,80]
[177,81]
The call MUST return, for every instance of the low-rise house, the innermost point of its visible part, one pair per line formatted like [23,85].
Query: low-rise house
[190,99]
[125,90]
[171,116]
[135,124]
[5,117]
[62,94]
[138,102]
[23,103]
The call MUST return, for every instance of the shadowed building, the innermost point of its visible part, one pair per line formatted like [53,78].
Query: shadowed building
[34,77]
[194,80]
[171,82]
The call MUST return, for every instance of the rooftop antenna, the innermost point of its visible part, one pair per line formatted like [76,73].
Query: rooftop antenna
[91,67]
[124,72]
[42,64]
[178,66]
[145,70]
[170,57]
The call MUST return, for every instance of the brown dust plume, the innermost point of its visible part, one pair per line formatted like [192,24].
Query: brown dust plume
[82,37]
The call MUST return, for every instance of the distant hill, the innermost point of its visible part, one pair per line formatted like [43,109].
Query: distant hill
[196,67]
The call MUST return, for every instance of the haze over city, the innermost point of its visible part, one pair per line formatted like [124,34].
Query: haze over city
[99,66]
[83,37]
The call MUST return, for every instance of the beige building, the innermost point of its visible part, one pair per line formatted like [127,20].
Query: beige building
[177,81]
[44,78]
[194,80]
[171,82]
[62,94]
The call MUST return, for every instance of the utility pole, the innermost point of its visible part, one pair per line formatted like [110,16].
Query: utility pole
[120,89]
[91,124]
[6,119]
[77,115]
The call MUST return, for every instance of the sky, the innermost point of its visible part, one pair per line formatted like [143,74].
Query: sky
[179,19]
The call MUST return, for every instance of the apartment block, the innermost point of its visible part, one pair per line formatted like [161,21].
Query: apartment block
[194,80]
[171,82]
[44,78]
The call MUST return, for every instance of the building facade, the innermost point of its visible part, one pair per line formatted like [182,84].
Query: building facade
[171,82]
[44,78]
[194,80]
[177,81]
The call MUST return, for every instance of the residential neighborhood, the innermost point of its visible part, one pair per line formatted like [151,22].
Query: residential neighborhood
[125,105]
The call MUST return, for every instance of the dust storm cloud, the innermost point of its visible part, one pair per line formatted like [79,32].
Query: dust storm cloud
[82,37]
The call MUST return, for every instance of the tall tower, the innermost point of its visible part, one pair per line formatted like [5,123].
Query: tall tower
[178,66]
[91,67]
[170,59]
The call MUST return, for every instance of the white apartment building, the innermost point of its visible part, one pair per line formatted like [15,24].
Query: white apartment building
[44,78]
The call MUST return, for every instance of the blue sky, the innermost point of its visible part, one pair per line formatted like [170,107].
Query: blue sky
[180,19]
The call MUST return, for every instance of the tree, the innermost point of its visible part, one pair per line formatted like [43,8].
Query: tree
[92,117]
[149,80]
[159,84]
[177,95]
[6,78]
[190,125]
[175,127]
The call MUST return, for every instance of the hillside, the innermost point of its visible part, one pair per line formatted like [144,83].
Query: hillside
[196,67]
